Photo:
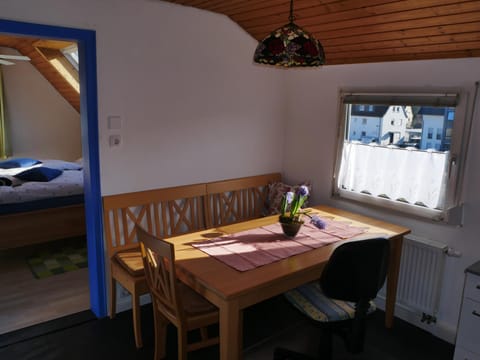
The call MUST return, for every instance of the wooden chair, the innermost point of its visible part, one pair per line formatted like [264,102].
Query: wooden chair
[341,300]
[235,200]
[164,212]
[173,301]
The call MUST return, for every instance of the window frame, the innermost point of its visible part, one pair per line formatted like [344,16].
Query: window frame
[452,212]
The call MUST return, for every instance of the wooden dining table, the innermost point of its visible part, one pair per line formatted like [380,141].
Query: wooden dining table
[232,291]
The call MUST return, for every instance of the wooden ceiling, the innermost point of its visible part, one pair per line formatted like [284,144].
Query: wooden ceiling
[30,47]
[362,31]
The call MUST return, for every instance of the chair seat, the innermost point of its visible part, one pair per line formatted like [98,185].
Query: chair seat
[131,260]
[194,303]
[311,301]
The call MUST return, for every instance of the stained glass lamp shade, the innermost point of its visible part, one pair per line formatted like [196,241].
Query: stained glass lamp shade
[290,46]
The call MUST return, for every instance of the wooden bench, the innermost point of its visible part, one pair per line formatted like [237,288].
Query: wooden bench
[167,212]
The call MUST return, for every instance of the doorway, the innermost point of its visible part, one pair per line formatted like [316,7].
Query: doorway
[89,126]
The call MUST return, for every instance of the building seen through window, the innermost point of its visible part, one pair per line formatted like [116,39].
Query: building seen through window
[421,127]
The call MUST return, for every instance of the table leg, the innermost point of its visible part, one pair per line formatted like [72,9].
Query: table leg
[392,279]
[231,331]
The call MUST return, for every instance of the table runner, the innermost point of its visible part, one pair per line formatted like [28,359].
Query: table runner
[249,249]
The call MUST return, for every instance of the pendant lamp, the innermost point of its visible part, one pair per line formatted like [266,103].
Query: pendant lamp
[290,46]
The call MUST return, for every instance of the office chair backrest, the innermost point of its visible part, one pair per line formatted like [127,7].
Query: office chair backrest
[356,270]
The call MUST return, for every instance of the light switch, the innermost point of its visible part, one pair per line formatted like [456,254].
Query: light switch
[114,122]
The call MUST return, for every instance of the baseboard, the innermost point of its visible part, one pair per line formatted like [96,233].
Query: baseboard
[438,329]
[47,327]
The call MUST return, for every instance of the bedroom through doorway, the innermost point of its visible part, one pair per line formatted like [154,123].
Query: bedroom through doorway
[43,274]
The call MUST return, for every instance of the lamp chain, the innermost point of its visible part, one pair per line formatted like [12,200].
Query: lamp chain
[291,17]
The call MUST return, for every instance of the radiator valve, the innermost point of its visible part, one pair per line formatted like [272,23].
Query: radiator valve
[452,252]
[429,319]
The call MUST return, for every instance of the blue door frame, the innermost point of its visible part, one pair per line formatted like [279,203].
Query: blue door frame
[89,119]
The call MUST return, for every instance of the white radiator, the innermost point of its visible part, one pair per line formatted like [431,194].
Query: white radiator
[420,278]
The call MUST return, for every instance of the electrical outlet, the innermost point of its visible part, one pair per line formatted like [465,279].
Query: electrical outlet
[114,140]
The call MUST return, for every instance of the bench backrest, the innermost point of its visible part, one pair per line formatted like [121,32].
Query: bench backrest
[235,200]
[163,212]
[177,210]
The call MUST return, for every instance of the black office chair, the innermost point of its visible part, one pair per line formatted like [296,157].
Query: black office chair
[342,299]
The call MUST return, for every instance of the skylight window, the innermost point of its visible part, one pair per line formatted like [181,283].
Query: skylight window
[71,53]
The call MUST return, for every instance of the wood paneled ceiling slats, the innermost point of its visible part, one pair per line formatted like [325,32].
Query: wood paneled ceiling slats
[400,18]
[336,11]
[363,16]
[408,43]
[411,56]
[365,30]
[421,34]
[233,7]
[403,50]
[224,6]
[26,46]
[405,25]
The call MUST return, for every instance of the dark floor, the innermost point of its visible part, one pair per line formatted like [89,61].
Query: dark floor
[266,326]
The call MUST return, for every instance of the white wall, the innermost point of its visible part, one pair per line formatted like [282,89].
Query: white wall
[41,123]
[193,105]
[313,112]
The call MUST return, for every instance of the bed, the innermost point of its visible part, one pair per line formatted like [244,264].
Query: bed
[40,201]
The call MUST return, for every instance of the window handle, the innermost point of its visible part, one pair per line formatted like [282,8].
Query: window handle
[476,313]
[453,164]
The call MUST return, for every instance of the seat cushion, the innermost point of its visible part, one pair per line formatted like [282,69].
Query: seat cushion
[311,301]
[131,260]
[194,303]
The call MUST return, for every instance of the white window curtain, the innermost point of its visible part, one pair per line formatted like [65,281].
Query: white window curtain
[408,175]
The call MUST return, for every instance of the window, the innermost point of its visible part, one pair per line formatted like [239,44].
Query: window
[71,53]
[64,60]
[405,168]
[430,133]
[450,115]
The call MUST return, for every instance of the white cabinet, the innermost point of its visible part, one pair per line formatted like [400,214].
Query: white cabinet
[468,335]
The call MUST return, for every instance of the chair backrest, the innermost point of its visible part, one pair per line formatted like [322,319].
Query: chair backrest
[164,212]
[235,200]
[356,270]
[159,264]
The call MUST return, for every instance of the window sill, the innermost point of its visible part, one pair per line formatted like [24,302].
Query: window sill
[453,216]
